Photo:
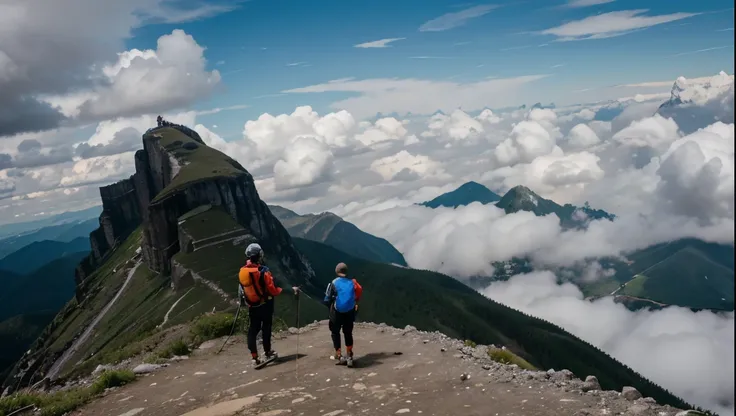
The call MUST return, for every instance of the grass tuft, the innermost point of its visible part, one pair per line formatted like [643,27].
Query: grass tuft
[63,402]
[211,326]
[508,357]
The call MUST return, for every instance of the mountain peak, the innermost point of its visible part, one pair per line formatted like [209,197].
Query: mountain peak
[466,194]
[521,198]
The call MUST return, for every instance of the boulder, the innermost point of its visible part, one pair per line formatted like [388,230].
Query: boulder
[101,369]
[591,383]
[562,375]
[146,368]
[630,393]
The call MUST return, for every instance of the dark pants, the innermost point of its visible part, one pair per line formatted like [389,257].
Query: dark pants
[261,319]
[345,322]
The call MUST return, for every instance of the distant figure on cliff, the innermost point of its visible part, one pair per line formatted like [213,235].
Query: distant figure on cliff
[257,291]
[160,121]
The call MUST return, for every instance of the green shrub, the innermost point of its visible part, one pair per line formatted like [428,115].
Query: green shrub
[178,347]
[63,402]
[470,343]
[212,326]
[508,357]
[112,378]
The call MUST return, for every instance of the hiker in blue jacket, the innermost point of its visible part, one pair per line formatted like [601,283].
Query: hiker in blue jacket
[342,297]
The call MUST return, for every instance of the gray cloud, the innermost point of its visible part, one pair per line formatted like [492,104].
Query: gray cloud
[63,57]
[125,140]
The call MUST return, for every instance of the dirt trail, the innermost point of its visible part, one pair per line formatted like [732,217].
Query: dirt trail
[422,380]
[54,371]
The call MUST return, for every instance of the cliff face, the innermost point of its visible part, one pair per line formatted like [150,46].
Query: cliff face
[175,173]
[121,215]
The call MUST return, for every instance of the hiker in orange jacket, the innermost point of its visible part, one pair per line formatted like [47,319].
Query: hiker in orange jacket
[257,291]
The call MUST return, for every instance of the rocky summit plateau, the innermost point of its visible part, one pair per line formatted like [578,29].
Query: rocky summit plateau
[398,371]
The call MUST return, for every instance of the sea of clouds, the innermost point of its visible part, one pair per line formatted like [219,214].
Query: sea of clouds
[667,173]
[662,181]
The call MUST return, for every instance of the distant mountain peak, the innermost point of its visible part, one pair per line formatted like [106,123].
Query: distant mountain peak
[521,198]
[465,194]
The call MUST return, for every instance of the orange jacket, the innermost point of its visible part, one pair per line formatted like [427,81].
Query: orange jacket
[252,291]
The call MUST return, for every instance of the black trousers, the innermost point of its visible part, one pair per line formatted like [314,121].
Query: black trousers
[345,322]
[261,319]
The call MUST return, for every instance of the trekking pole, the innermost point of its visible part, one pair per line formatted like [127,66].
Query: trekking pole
[232,329]
[298,303]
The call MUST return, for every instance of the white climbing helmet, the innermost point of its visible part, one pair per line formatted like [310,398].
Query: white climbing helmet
[253,250]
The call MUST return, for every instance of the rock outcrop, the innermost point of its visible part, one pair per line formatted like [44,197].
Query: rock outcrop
[177,172]
[121,215]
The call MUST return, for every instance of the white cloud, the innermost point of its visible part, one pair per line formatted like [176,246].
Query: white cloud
[384,129]
[586,3]
[457,126]
[417,96]
[305,161]
[103,169]
[454,19]
[582,137]
[656,132]
[529,139]
[149,81]
[698,174]
[611,24]
[712,48]
[381,43]
[406,164]
[652,343]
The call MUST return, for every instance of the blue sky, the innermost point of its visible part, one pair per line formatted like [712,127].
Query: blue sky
[253,46]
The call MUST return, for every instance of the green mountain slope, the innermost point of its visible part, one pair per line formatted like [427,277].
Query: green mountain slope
[46,288]
[332,230]
[466,194]
[17,334]
[686,277]
[38,253]
[432,301]
[64,232]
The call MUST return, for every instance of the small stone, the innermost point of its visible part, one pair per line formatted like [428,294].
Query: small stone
[486,367]
[208,344]
[146,368]
[400,411]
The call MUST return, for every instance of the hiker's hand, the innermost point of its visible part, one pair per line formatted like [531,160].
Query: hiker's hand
[296,290]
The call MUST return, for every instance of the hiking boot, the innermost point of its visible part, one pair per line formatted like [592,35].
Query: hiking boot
[350,361]
[272,355]
[255,361]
